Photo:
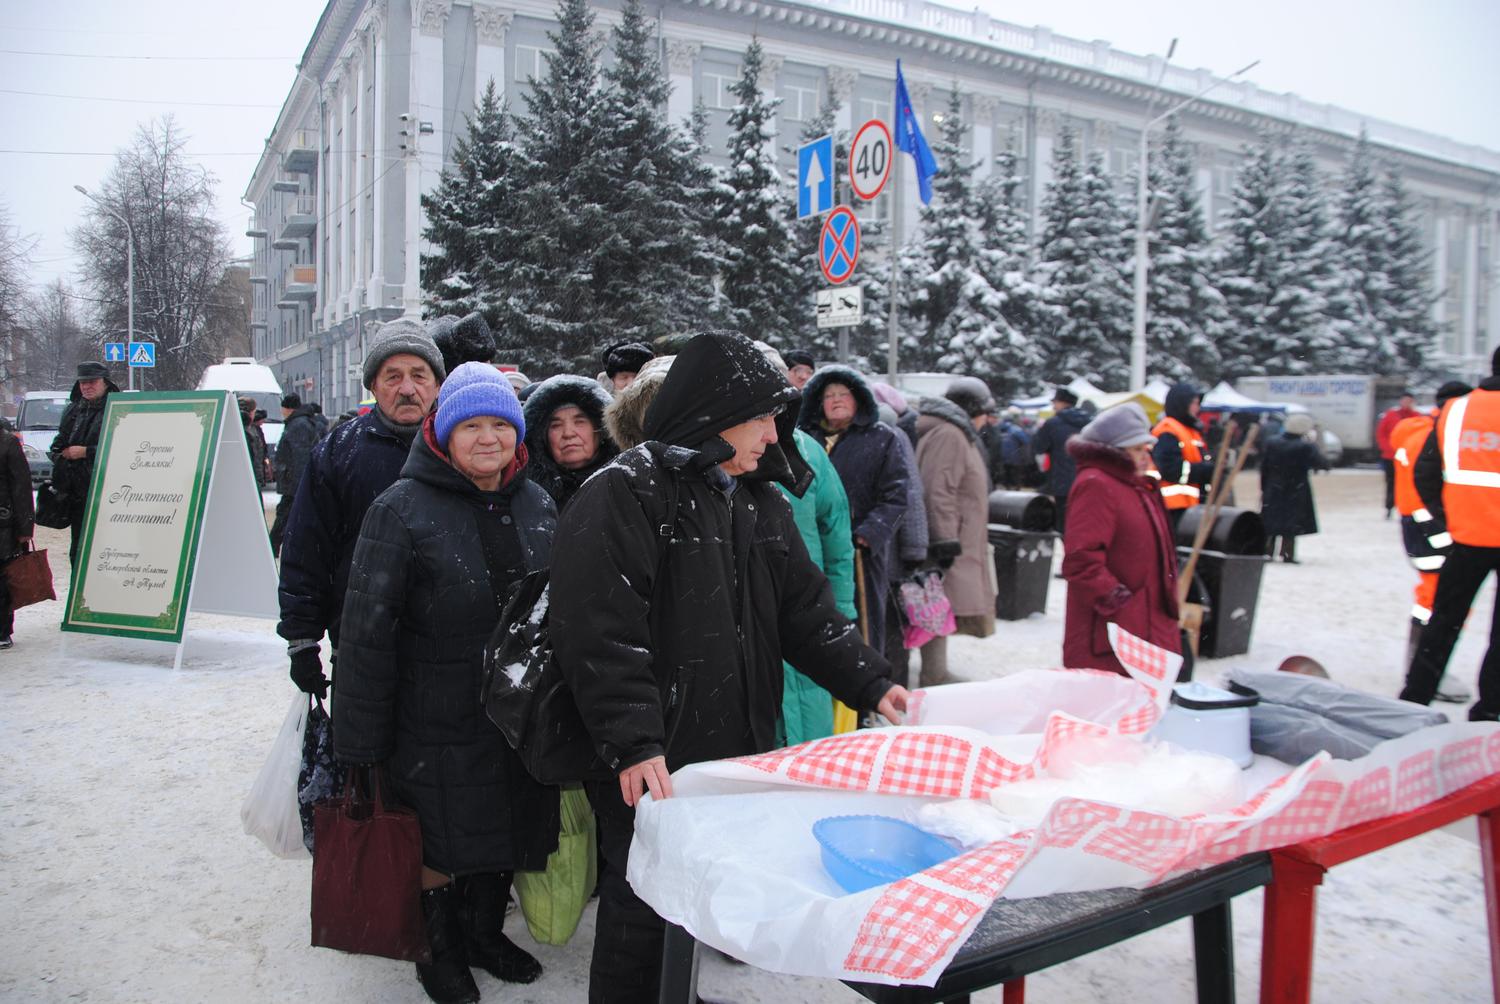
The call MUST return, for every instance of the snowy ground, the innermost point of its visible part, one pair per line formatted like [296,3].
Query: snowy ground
[130,880]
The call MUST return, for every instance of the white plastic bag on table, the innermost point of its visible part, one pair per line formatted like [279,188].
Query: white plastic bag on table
[270,811]
[744,874]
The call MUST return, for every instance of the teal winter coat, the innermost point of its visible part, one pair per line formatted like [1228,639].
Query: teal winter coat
[822,517]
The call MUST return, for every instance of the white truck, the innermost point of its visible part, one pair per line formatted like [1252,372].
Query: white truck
[247,378]
[1347,405]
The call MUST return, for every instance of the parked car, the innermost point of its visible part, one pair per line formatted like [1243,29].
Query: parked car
[39,417]
[41,464]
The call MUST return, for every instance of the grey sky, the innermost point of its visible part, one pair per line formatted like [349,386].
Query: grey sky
[1428,65]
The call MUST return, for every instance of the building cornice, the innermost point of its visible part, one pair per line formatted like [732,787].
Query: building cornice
[982,41]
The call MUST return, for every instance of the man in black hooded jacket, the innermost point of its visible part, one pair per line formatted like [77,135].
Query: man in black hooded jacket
[671,631]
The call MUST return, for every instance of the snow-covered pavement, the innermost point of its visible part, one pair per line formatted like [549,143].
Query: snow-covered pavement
[127,877]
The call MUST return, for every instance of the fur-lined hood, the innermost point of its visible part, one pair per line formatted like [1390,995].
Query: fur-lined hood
[556,392]
[625,418]
[942,408]
[866,411]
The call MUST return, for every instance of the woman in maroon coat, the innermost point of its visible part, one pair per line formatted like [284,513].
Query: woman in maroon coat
[1121,565]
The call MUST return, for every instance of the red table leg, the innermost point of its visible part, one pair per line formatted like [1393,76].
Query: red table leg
[1014,991]
[1290,919]
[1489,855]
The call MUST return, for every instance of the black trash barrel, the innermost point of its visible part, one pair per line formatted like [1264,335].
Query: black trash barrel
[1235,531]
[1023,510]
[1023,569]
[1233,583]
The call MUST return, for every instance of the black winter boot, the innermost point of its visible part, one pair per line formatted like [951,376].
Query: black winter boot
[446,978]
[484,896]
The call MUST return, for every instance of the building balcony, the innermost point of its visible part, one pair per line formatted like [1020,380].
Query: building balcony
[286,185]
[301,283]
[301,156]
[286,244]
[259,280]
[255,228]
[300,220]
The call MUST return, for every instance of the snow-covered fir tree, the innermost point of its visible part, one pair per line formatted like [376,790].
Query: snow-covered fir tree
[650,277]
[1082,257]
[1383,268]
[565,221]
[1185,315]
[469,221]
[964,328]
[1006,261]
[1410,299]
[759,296]
[1318,292]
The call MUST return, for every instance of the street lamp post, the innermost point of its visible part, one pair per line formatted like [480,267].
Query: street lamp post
[1142,222]
[129,276]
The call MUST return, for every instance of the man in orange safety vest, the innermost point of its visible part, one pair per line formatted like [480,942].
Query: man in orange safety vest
[1424,536]
[1180,454]
[1457,475]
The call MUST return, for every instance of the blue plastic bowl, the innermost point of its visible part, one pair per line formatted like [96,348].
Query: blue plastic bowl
[864,851]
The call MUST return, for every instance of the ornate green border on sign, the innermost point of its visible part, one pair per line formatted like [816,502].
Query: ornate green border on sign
[207,407]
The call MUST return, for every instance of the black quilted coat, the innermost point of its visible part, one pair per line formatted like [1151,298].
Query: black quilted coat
[434,560]
[682,655]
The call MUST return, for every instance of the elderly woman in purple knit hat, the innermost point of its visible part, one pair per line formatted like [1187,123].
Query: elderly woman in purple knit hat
[436,555]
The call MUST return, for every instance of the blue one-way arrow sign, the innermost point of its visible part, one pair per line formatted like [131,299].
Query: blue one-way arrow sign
[143,353]
[114,352]
[815,177]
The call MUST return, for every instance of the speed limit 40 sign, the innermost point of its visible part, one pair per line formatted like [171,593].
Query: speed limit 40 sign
[870,159]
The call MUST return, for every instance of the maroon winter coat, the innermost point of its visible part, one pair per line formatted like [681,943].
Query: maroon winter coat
[1121,564]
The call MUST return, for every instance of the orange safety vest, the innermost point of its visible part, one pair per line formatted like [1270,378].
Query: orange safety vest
[1176,490]
[1407,439]
[1468,433]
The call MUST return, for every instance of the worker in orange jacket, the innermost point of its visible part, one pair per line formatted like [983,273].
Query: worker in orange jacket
[1457,474]
[1419,527]
[1180,454]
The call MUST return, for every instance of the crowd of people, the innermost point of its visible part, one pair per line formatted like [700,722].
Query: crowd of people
[728,531]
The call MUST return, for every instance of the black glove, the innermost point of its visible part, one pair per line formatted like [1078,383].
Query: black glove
[307,672]
[943,553]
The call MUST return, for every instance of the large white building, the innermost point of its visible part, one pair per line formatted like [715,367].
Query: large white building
[384,87]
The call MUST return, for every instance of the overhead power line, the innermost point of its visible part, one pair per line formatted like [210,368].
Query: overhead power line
[112,153]
[135,101]
[111,55]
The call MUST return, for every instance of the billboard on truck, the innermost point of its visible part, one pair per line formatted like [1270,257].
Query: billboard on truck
[1346,405]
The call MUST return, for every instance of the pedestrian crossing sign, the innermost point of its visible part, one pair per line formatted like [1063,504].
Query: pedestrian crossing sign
[142,353]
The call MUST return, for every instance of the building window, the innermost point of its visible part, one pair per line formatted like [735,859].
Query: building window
[799,104]
[531,62]
[716,92]
[872,108]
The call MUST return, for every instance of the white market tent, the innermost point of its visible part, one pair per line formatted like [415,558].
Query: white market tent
[1226,398]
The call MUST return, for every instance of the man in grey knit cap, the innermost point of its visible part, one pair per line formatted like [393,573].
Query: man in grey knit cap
[349,467]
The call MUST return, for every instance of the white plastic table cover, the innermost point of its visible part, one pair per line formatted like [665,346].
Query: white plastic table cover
[731,856]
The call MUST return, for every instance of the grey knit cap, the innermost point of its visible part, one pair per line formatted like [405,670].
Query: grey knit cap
[398,337]
[1122,426]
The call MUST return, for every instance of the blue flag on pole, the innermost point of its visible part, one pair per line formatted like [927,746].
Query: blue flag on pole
[909,138]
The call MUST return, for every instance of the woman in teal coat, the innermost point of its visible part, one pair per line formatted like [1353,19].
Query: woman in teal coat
[822,516]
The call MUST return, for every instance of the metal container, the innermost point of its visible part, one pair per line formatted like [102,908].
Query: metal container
[1023,510]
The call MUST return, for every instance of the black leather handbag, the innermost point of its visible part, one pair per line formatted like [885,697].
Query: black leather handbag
[51,507]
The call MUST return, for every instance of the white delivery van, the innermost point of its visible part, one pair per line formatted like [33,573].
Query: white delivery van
[248,378]
[40,416]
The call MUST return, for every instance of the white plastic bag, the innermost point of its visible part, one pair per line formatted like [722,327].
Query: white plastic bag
[270,811]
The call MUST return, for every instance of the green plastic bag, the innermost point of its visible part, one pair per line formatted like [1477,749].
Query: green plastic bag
[553,899]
